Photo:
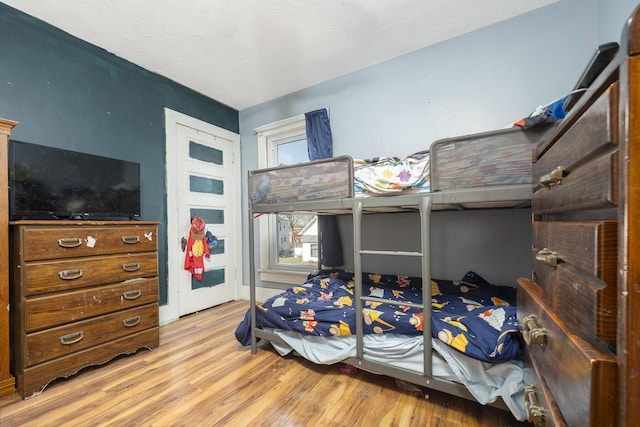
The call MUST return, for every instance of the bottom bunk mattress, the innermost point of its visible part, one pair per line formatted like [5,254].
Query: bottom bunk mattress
[485,381]
[470,315]
[473,324]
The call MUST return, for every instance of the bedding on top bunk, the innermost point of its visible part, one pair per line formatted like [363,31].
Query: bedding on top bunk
[470,315]
[461,164]
[389,175]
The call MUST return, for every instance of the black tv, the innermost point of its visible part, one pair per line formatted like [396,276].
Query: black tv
[54,183]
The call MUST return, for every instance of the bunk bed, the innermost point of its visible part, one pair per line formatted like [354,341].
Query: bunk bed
[488,170]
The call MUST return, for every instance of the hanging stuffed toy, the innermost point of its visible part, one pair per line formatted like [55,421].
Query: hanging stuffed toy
[212,241]
[197,248]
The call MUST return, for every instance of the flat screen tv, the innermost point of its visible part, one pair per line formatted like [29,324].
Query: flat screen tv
[54,183]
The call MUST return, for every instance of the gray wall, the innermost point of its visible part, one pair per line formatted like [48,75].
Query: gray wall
[70,94]
[480,81]
[611,16]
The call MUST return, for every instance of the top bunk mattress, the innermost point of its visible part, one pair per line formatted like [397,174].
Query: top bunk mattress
[480,161]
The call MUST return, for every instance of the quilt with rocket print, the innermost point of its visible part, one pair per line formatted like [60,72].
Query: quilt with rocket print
[470,315]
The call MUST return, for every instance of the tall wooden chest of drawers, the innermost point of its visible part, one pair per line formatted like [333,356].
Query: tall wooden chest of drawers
[81,293]
[7,382]
[580,310]
[568,312]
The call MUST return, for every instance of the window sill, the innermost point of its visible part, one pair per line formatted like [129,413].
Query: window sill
[284,276]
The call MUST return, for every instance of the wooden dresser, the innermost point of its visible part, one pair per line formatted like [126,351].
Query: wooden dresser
[81,293]
[580,311]
[7,382]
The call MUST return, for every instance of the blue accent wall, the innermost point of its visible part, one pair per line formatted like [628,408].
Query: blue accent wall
[70,94]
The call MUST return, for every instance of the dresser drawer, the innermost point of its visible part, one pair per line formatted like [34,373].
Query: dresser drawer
[52,343]
[539,405]
[588,246]
[578,169]
[575,265]
[581,379]
[593,185]
[53,276]
[589,135]
[53,310]
[32,380]
[585,305]
[51,242]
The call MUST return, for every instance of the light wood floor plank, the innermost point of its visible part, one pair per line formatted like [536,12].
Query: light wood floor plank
[201,376]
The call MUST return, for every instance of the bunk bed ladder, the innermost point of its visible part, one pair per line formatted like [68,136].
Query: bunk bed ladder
[424,207]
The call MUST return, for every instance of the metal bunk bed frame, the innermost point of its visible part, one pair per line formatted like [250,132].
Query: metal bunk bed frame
[507,196]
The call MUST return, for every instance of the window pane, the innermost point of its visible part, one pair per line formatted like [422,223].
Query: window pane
[218,249]
[198,184]
[204,153]
[289,153]
[209,279]
[210,216]
[296,234]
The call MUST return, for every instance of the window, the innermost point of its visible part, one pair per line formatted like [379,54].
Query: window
[288,242]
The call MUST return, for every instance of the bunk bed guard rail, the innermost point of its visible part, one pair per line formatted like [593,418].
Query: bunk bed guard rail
[303,182]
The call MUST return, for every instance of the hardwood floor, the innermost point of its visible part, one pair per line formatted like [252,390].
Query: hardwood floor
[201,376]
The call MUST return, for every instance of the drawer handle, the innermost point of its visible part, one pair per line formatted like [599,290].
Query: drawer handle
[553,178]
[535,412]
[131,321]
[71,338]
[533,334]
[70,274]
[71,242]
[130,295]
[130,240]
[549,257]
[132,266]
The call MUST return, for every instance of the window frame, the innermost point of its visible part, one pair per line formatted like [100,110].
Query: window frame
[269,137]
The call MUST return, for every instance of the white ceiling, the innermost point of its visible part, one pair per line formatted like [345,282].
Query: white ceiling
[245,52]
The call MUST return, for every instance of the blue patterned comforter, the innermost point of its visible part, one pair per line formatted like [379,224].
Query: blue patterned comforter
[470,315]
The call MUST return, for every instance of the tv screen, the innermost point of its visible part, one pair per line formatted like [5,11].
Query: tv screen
[53,183]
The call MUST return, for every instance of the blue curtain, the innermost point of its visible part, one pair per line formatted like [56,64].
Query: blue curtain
[320,146]
[319,139]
